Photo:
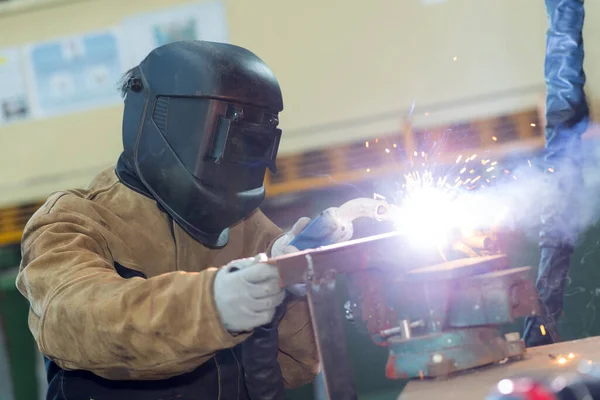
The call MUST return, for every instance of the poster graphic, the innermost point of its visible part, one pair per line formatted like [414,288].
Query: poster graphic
[14,101]
[76,73]
[196,21]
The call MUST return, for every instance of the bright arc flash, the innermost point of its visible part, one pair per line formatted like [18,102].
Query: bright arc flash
[428,212]
[433,210]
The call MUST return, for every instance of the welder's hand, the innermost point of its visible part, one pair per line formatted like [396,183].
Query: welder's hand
[246,293]
[282,245]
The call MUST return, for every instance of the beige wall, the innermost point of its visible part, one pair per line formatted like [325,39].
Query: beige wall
[335,59]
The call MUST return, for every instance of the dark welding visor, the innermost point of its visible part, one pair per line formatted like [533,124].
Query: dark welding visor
[239,141]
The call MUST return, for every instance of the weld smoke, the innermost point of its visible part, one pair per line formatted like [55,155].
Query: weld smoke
[543,191]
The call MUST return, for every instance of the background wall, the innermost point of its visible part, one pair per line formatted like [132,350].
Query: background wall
[347,69]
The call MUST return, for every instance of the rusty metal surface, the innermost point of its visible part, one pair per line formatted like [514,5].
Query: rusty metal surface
[461,318]
[327,319]
[389,250]
[494,298]
[461,268]
[450,312]
[444,353]
[385,251]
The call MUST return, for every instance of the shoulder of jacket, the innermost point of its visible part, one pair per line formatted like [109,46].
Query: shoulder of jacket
[106,201]
[103,193]
[65,199]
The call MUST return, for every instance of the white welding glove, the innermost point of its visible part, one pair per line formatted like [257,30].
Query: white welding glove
[246,293]
[282,246]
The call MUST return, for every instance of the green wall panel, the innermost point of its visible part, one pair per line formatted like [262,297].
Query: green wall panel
[22,352]
[10,256]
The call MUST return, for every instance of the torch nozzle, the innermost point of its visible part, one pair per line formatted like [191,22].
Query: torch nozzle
[379,210]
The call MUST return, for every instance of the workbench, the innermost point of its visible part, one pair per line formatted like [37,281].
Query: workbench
[476,384]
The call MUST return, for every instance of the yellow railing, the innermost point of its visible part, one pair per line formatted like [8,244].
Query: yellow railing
[365,160]
[497,136]
[12,221]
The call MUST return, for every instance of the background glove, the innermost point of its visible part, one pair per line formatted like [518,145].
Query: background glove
[246,293]
[282,246]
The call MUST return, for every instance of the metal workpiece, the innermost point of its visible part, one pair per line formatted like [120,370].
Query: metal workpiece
[461,268]
[443,353]
[327,320]
[464,306]
[436,317]
[380,252]
[481,242]
[404,329]
[493,298]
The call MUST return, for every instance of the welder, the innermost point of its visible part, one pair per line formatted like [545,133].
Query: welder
[151,283]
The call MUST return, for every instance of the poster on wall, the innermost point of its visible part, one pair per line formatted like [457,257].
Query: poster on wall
[14,101]
[75,73]
[197,21]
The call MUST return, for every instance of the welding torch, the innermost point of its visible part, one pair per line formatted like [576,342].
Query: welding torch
[335,224]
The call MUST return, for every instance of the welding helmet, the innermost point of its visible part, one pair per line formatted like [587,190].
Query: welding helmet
[200,130]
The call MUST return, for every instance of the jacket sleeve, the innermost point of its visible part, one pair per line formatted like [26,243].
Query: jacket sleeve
[298,356]
[83,315]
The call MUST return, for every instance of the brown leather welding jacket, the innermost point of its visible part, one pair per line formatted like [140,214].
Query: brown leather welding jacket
[160,323]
